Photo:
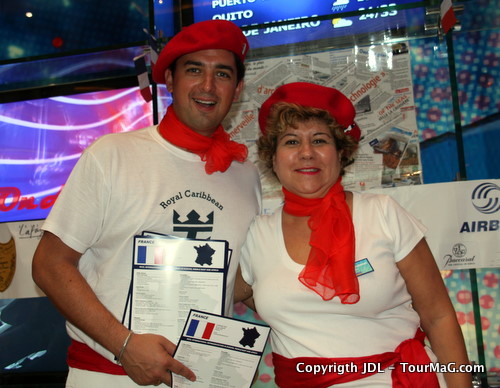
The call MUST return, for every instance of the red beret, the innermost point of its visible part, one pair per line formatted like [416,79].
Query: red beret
[206,35]
[316,96]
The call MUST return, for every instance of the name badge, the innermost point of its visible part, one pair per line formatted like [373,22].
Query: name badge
[363,267]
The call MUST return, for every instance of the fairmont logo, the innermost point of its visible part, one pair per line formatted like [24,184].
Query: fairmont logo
[486,199]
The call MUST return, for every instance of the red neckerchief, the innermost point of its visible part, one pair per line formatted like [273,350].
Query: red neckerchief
[329,270]
[218,151]
[410,351]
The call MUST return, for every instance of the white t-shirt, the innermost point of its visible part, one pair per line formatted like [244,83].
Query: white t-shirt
[127,183]
[303,325]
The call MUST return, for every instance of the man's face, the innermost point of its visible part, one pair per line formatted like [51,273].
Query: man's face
[203,88]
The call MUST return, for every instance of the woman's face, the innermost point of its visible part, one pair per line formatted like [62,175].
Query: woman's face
[306,160]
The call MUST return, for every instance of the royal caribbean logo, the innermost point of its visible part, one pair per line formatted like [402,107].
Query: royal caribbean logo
[486,199]
[194,224]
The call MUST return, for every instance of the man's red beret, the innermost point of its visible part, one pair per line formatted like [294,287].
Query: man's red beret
[316,96]
[206,35]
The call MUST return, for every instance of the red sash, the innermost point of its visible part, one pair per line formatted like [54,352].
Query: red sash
[287,372]
[81,356]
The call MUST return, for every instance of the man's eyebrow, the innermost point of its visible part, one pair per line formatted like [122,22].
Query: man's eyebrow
[192,63]
[225,67]
[219,66]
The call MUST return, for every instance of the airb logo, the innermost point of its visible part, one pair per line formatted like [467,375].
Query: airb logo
[486,200]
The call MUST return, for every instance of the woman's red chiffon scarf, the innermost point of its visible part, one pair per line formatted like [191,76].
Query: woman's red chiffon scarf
[217,151]
[330,267]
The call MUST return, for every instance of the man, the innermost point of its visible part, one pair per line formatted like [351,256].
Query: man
[183,177]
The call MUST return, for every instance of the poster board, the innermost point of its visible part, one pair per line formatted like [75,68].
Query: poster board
[377,80]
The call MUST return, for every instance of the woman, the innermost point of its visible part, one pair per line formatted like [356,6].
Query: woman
[345,280]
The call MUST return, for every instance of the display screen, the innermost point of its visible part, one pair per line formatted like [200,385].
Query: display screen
[255,12]
[31,28]
[41,140]
[164,18]
[33,337]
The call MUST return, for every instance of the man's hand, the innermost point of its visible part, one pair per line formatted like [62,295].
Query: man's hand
[148,360]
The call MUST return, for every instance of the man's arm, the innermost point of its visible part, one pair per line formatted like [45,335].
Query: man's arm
[147,357]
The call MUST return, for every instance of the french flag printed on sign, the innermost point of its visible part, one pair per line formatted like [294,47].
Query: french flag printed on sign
[151,255]
[200,329]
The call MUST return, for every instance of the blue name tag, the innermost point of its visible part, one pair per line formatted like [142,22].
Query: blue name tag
[363,267]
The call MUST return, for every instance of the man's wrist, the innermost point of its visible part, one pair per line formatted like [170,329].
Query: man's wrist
[118,358]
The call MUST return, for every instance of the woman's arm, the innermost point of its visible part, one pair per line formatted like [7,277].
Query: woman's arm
[437,315]
[242,291]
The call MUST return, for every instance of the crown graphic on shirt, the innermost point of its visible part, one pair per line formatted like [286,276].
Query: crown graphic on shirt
[193,223]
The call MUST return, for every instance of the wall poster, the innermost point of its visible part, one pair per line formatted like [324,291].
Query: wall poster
[377,79]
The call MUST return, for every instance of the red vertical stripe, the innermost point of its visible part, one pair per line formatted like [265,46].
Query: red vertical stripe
[146,94]
[208,330]
[448,18]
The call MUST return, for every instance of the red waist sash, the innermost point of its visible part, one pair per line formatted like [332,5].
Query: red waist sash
[81,356]
[299,372]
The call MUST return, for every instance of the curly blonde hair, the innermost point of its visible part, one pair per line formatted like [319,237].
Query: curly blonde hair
[284,115]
